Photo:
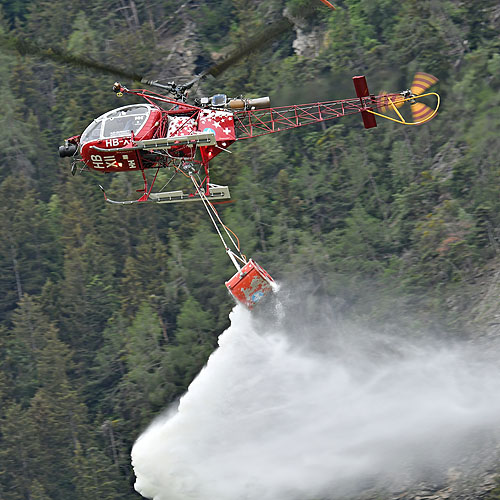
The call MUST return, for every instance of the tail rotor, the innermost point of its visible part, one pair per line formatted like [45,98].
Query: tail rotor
[421,112]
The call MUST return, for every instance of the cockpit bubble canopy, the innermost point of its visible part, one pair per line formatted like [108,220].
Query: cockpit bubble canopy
[121,122]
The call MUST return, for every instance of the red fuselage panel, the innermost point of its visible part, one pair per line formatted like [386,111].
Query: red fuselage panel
[108,155]
[110,161]
[221,123]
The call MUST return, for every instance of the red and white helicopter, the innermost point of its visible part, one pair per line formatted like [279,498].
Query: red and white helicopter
[166,132]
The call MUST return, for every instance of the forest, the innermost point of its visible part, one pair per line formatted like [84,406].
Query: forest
[107,313]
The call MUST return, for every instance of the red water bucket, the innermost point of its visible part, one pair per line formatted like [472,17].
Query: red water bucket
[250,284]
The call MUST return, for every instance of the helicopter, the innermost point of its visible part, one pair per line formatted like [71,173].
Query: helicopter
[171,132]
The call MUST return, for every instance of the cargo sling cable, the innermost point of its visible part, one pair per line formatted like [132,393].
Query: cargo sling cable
[214,217]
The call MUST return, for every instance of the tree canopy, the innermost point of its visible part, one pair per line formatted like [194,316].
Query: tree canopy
[108,312]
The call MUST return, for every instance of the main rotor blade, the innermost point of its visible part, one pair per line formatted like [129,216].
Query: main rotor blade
[257,41]
[254,43]
[274,30]
[25,47]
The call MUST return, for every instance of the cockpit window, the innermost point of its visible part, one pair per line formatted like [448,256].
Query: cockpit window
[117,123]
[122,122]
[92,132]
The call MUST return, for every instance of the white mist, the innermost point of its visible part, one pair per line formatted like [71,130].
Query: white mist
[277,416]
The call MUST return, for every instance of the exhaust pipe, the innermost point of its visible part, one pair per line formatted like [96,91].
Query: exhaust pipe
[258,103]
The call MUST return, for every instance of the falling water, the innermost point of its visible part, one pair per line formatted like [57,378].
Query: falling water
[299,409]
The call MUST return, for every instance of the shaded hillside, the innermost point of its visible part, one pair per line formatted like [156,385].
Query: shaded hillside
[108,312]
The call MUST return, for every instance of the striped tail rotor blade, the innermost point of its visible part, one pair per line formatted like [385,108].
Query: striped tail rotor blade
[384,102]
[421,112]
[398,100]
[387,101]
[422,82]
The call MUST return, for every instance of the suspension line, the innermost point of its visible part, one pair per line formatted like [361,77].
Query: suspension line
[214,217]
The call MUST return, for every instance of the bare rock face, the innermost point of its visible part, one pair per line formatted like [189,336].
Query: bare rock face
[460,486]
[456,484]
[485,311]
[308,43]
[309,38]
[181,51]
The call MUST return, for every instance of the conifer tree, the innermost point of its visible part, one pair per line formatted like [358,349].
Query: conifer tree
[88,296]
[16,453]
[95,476]
[195,341]
[25,341]
[37,491]
[27,251]
[16,147]
[56,420]
[146,386]
[145,274]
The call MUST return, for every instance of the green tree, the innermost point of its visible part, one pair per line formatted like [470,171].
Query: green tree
[23,345]
[194,343]
[146,387]
[28,250]
[57,420]
[95,476]
[16,453]
[145,274]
